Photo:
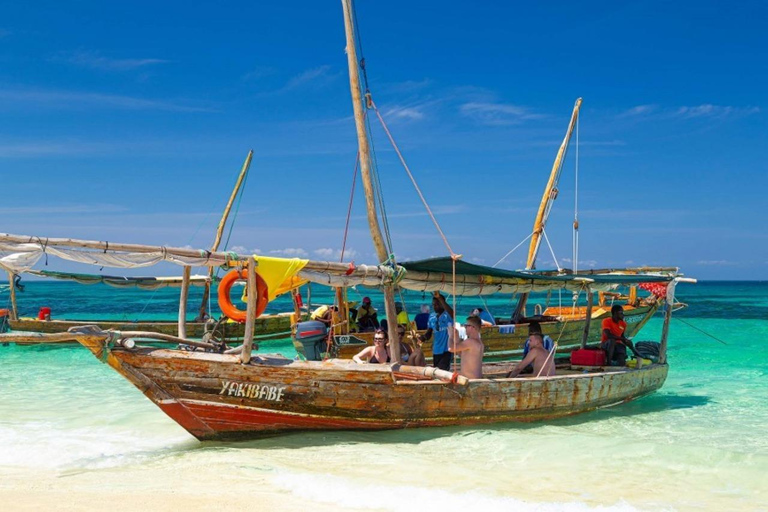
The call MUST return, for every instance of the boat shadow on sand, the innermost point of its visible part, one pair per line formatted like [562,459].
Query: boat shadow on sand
[651,404]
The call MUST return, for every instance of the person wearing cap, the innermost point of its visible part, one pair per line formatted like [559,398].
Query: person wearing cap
[439,323]
[367,318]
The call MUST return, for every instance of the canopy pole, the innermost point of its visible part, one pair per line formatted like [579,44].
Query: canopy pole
[220,231]
[14,307]
[250,320]
[186,273]
[588,319]
[365,175]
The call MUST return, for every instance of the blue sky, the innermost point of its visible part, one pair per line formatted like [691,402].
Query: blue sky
[129,122]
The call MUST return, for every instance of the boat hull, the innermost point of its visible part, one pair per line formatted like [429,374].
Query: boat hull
[213,396]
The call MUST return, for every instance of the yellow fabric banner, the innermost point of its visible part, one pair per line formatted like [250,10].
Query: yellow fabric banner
[280,273]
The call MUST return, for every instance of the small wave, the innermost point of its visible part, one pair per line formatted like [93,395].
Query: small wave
[349,494]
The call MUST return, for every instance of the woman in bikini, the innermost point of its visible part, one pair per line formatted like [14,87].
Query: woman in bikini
[377,353]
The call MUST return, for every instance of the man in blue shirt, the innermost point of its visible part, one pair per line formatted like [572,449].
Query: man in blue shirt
[439,323]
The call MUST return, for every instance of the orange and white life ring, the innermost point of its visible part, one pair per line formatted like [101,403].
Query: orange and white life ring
[225,301]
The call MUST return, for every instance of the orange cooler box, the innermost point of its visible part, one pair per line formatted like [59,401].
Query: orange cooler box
[585,357]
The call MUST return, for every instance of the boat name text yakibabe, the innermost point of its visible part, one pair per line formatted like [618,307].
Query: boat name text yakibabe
[271,393]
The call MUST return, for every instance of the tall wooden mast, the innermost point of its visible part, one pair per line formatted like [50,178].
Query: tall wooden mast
[547,200]
[220,229]
[365,174]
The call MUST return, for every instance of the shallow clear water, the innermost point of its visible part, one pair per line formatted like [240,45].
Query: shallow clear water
[701,442]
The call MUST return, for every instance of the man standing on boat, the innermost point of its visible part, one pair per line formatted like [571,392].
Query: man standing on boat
[471,349]
[613,340]
[439,323]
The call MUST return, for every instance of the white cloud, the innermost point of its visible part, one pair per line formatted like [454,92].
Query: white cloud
[60,209]
[497,114]
[410,113]
[310,75]
[241,249]
[640,110]
[714,111]
[688,112]
[96,61]
[715,262]
[334,254]
[290,252]
[479,261]
[69,99]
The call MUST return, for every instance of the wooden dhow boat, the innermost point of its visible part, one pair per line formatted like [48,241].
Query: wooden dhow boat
[244,395]
[237,394]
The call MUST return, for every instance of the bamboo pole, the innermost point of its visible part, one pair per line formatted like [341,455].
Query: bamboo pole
[365,175]
[549,196]
[250,317]
[588,319]
[187,271]
[213,258]
[220,230]
[14,307]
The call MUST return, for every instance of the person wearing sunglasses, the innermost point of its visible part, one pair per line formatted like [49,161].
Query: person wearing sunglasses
[376,353]
[469,350]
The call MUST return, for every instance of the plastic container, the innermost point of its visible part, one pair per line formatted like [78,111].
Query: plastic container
[44,313]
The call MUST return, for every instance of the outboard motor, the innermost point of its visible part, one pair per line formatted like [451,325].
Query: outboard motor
[312,335]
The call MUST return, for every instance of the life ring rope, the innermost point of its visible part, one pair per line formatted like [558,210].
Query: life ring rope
[225,301]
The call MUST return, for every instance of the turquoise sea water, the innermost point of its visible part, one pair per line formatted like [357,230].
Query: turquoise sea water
[700,443]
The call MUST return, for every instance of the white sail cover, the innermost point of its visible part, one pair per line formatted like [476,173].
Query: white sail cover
[18,258]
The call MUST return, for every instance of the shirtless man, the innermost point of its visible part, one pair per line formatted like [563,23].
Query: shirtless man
[543,363]
[470,349]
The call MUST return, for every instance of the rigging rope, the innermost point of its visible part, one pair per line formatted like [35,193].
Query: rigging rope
[543,232]
[413,180]
[349,209]
[513,250]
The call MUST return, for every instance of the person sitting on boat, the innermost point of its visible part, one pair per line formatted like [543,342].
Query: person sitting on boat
[402,315]
[543,361]
[376,353]
[470,349]
[405,349]
[485,317]
[535,328]
[417,354]
[422,319]
[613,340]
[439,323]
[367,316]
